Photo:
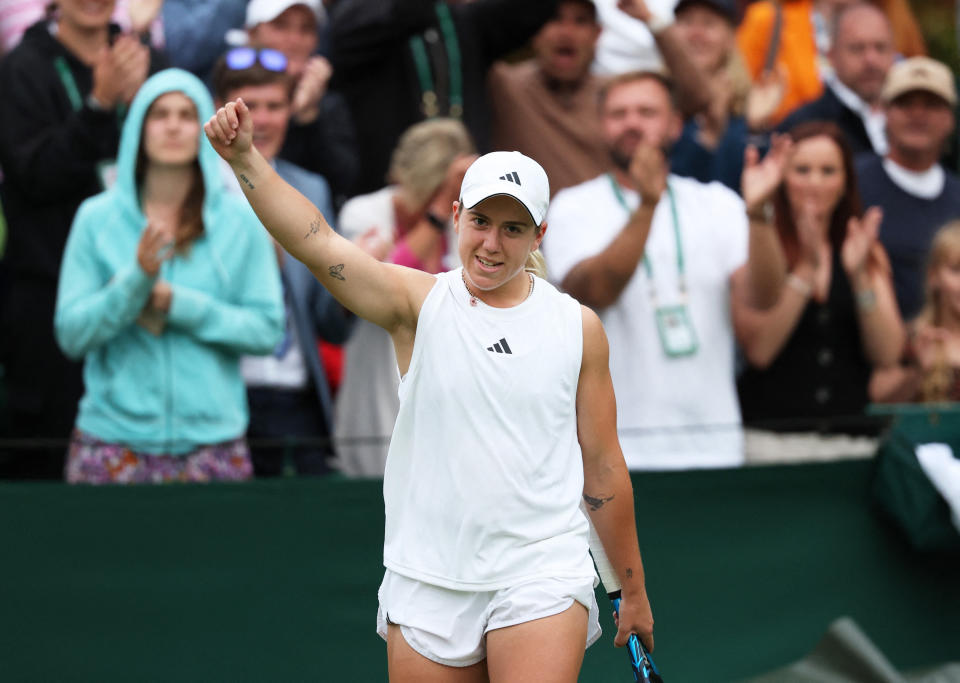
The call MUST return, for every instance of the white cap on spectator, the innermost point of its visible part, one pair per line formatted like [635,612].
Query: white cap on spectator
[262,11]
[920,73]
[511,174]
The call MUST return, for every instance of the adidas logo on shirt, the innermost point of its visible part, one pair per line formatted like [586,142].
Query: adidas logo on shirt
[500,347]
[512,177]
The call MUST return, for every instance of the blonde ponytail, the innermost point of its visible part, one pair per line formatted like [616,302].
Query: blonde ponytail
[536,264]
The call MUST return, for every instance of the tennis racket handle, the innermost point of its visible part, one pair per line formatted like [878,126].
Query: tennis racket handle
[641,663]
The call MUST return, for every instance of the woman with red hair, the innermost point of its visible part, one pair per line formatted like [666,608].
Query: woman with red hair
[811,354]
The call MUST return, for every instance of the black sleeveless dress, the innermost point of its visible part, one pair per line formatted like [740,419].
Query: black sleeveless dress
[819,380]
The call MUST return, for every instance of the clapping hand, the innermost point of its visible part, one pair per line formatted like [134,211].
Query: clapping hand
[153,317]
[714,119]
[760,179]
[648,170]
[441,204]
[160,297]
[814,250]
[763,99]
[635,8]
[119,71]
[311,87]
[142,13]
[155,247]
[861,236]
[809,236]
[929,346]
[131,65]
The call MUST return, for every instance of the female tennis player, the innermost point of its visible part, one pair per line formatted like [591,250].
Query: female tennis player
[507,419]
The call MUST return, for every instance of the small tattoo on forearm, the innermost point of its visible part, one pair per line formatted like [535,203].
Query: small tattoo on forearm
[336,272]
[596,503]
[629,573]
[315,226]
[247,181]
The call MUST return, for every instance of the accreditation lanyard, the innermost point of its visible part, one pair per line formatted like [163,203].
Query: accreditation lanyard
[647,266]
[107,168]
[73,91]
[429,102]
[674,324]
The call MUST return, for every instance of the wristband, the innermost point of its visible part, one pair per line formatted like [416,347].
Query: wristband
[800,285]
[436,222]
[866,300]
[762,213]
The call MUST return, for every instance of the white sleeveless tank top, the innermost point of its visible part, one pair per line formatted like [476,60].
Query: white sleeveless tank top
[484,474]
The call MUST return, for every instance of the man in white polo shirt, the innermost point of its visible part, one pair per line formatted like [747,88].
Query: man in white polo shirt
[653,253]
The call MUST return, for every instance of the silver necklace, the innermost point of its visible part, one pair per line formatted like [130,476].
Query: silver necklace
[474,298]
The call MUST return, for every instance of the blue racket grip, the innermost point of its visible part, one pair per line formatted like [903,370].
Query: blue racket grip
[641,663]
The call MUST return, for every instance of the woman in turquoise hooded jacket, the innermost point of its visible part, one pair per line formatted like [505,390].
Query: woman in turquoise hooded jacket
[166,281]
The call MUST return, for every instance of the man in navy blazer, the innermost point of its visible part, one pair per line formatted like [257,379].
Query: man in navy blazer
[861,54]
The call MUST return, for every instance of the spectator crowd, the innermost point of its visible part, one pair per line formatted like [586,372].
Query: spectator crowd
[759,199]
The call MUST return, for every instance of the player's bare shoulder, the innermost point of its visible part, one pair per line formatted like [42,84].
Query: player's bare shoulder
[596,350]
[593,331]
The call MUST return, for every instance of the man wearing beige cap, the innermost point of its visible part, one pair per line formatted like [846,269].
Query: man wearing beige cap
[916,193]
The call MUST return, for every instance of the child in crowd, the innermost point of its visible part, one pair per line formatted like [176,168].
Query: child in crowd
[931,363]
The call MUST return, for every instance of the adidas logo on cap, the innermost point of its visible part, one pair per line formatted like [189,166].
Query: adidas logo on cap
[486,178]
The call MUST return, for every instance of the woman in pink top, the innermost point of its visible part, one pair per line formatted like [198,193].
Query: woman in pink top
[405,223]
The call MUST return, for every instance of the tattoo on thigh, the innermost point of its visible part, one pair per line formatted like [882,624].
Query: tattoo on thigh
[629,573]
[315,226]
[246,180]
[337,272]
[596,503]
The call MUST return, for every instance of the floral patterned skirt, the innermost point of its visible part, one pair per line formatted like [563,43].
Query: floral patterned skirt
[91,461]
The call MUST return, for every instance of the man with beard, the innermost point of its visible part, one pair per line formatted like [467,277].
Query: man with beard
[861,53]
[653,253]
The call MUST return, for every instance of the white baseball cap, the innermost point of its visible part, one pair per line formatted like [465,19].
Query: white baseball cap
[262,11]
[511,174]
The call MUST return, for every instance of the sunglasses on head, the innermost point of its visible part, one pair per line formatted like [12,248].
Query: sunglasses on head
[245,57]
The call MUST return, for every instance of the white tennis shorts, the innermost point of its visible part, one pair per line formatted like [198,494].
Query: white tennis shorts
[450,627]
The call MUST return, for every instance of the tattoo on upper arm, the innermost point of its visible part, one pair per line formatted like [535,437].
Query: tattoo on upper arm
[336,272]
[596,503]
[246,180]
[315,226]
[629,573]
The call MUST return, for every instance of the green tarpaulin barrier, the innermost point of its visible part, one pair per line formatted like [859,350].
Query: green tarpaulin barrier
[276,580]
